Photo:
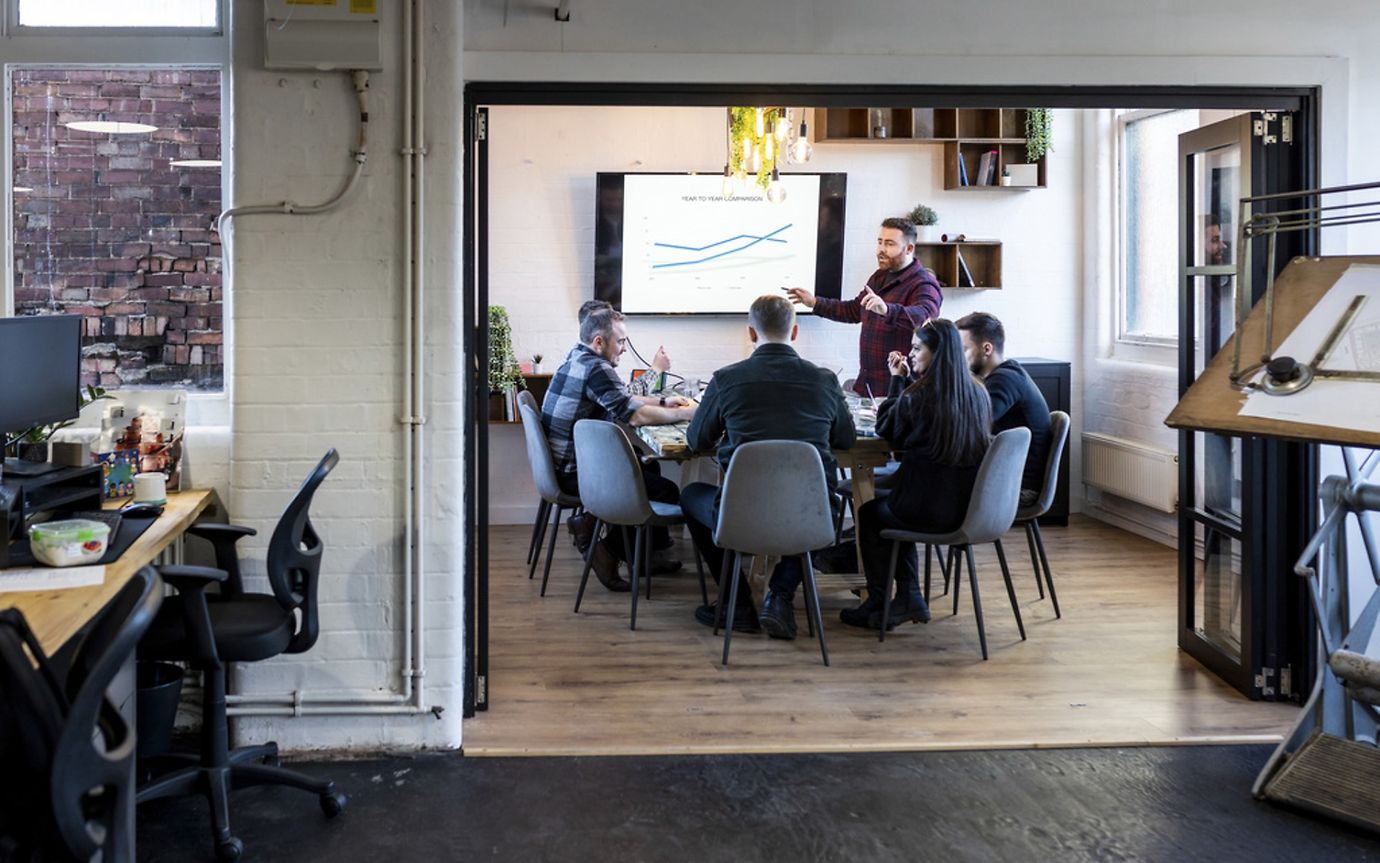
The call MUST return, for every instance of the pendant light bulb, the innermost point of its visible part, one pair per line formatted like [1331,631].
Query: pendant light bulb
[776,190]
[761,123]
[730,186]
[801,149]
[783,126]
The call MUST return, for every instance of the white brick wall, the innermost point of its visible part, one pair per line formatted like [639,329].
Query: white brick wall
[318,329]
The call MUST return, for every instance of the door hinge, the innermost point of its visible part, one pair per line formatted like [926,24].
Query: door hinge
[481,689]
[1260,127]
[1262,681]
[1286,130]
[1286,681]
[481,126]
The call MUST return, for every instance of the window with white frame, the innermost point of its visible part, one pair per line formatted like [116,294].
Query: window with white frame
[127,14]
[1148,148]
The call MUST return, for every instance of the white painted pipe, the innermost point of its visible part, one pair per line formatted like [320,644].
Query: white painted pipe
[410,700]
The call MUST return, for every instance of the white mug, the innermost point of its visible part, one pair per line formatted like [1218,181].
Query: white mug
[151,487]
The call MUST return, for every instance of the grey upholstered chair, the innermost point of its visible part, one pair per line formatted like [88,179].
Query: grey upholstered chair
[544,477]
[611,488]
[1028,516]
[775,502]
[991,512]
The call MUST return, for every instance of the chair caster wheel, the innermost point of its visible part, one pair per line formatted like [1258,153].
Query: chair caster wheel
[230,850]
[332,803]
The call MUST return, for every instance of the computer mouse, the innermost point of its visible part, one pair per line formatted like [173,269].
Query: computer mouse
[141,510]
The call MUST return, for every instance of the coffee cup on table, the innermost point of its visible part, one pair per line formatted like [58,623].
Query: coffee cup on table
[151,487]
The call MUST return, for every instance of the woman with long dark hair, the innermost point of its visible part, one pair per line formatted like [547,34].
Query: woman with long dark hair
[941,422]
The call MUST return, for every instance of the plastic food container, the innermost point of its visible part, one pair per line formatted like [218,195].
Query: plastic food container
[70,542]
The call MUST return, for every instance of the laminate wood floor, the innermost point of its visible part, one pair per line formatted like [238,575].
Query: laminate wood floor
[1107,674]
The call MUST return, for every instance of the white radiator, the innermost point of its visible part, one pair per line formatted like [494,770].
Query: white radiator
[1135,471]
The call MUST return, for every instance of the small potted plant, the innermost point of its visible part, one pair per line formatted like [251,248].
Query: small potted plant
[923,217]
[536,364]
[504,375]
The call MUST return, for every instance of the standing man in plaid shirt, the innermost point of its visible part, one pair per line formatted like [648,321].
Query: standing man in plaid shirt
[896,300]
[586,386]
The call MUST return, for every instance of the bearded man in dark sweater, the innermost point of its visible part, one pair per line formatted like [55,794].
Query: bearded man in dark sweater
[1016,401]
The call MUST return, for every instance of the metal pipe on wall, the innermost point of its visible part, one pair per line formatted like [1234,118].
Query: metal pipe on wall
[410,699]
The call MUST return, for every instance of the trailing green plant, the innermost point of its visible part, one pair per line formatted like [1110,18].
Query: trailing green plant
[1037,122]
[504,373]
[923,215]
[743,127]
[41,433]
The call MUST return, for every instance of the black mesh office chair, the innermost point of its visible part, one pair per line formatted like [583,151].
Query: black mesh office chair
[66,753]
[210,630]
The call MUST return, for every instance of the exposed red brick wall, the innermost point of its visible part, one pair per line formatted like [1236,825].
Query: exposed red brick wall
[112,231]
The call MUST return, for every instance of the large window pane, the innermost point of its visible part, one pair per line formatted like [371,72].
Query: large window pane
[109,226]
[1150,210]
[117,13]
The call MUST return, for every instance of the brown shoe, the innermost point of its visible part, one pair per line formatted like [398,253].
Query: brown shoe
[581,529]
[605,567]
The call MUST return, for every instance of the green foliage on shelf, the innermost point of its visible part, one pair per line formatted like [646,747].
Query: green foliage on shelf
[923,215]
[504,374]
[1037,122]
[41,433]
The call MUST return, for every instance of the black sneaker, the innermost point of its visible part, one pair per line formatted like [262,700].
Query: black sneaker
[744,619]
[778,615]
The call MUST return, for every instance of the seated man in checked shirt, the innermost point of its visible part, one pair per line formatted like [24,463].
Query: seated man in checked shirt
[586,386]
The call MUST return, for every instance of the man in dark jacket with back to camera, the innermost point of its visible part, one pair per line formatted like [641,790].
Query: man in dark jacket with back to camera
[1016,401]
[771,395]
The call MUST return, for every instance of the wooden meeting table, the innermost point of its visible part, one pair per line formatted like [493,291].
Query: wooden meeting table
[867,453]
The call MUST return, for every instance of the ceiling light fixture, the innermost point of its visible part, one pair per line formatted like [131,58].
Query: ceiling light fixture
[760,140]
[110,127]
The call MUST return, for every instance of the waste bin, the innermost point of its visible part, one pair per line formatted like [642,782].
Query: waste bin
[160,688]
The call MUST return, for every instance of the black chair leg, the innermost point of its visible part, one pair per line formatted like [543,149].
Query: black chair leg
[943,568]
[551,548]
[542,510]
[732,606]
[634,554]
[977,598]
[1044,562]
[541,537]
[699,570]
[722,608]
[812,606]
[589,559]
[1034,559]
[1010,588]
[955,564]
[886,589]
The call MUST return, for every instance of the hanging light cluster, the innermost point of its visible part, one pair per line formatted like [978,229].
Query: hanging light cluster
[759,141]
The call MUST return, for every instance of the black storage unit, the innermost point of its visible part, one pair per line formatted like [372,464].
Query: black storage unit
[68,489]
[1052,379]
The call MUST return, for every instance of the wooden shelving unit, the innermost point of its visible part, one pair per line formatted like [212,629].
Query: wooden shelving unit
[983,258]
[969,132]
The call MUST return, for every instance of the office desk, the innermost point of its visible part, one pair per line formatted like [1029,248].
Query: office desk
[57,615]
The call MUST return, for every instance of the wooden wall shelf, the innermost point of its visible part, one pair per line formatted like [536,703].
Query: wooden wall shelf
[966,132]
[983,258]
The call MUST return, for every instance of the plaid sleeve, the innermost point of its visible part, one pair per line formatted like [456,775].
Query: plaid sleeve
[603,387]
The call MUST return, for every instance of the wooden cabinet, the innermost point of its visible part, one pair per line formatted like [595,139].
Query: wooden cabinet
[982,259]
[965,133]
[1051,378]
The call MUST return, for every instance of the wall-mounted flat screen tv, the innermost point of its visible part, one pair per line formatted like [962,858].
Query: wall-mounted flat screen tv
[674,244]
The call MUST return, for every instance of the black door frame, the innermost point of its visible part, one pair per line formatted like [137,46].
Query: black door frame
[480,95]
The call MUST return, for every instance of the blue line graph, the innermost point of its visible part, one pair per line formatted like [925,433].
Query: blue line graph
[753,238]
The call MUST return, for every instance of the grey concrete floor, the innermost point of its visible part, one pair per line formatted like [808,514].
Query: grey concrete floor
[1172,804]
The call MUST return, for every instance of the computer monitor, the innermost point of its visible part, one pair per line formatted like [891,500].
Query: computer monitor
[40,378]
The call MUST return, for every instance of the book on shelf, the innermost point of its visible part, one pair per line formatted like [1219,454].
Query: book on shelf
[983,163]
[992,168]
[962,171]
[965,276]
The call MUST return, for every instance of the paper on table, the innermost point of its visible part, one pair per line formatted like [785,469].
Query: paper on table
[48,578]
[1336,403]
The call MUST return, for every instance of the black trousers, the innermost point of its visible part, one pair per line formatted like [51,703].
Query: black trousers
[659,489]
[700,503]
[875,517]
